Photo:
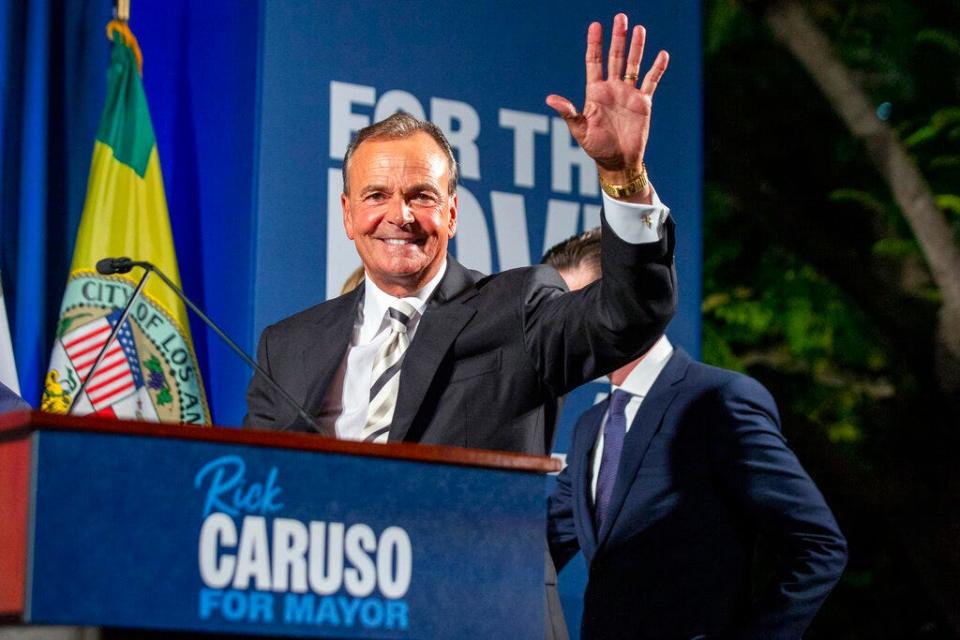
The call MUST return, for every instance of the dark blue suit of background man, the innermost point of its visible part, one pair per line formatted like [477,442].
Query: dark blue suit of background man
[702,471]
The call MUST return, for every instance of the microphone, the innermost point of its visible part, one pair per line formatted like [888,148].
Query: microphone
[109,266]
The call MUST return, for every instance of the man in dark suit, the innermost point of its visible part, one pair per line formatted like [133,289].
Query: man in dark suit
[429,351]
[668,483]
[508,343]
[10,401]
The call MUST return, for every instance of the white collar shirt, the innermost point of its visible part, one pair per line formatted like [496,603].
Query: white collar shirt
[637,383]
[344,410]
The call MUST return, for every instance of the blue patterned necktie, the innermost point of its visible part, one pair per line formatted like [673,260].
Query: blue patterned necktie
[613,432]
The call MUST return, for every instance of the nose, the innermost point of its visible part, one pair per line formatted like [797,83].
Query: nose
[400,212]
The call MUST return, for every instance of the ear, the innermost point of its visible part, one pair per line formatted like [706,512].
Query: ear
[347,218]
[453,204]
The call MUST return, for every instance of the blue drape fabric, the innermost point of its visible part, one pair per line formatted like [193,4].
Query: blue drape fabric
[200,76]
[49,96]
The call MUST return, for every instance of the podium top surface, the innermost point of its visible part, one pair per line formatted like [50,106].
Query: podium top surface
[19,425]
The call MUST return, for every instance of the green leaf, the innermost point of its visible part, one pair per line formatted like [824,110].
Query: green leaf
[844,432]
[949,202]
[153,365]
[64,326]
[921,135]
[945,162]
[722,19]
[714,300]
[895,247]
[66,323]
[716,351]
[945,117]
[939,38]
[864,198]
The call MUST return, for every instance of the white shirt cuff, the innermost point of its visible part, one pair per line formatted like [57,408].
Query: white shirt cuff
[636,223]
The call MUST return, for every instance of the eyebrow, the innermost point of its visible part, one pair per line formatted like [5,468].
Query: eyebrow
[424,186]
[372,188]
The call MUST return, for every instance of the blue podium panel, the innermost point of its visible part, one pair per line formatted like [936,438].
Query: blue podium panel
[138,531]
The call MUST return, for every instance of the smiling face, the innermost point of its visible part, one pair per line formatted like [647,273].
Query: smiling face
[398,211]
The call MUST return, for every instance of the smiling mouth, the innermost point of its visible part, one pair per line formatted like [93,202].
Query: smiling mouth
[399,242]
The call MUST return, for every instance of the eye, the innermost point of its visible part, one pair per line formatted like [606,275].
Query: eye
[424,198]
[375,196]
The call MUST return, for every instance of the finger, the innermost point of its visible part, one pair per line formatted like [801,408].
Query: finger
[594,53]
[618,44]
[562,106]
[635,54]
[575,120]
[652,79]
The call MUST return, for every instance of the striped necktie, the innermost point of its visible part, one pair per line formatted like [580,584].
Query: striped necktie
[385,378]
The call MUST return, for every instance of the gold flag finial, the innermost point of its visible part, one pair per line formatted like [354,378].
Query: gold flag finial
[121,10]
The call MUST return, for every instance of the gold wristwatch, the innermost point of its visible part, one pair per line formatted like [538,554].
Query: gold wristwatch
[637,184]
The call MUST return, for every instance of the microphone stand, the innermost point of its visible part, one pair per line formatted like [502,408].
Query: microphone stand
[106,345]
[124,265]
[236,348]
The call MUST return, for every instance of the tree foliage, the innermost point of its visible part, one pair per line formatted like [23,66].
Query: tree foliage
[815,284]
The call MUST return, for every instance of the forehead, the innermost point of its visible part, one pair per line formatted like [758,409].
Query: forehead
[417,156]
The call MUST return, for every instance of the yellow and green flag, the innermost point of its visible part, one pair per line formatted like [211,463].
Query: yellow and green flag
[150,371]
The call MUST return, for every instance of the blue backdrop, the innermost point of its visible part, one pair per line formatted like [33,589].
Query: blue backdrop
[253,103]
[481,71]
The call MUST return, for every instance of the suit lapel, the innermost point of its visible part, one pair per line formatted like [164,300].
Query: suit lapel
[585,438]
[644,427]
[441,323]
[321,358]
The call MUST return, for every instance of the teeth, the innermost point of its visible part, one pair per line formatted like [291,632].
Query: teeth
[396,241]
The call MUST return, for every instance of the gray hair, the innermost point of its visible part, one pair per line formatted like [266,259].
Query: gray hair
[401,125]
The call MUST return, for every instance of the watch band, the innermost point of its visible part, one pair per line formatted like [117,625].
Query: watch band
[637,184]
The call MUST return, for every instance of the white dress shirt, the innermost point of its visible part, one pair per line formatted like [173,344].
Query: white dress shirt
[637,384]
[344,410]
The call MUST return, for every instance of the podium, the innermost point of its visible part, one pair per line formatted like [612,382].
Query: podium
[167,527]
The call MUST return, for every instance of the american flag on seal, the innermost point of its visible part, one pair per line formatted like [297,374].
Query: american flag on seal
[118,375]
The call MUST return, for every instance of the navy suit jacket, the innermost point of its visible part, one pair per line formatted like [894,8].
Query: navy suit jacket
[704,471]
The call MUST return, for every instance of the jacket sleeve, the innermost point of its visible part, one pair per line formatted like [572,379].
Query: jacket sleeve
[763,475]
[561,530]
[574,337]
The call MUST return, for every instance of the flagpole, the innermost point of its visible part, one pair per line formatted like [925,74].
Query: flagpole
[121,10]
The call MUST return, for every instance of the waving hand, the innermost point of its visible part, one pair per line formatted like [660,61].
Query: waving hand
[614,125]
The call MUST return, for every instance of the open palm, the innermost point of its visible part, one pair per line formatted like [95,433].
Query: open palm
[614,125]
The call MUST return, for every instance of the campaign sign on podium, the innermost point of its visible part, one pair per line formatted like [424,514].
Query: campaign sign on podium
[140,530]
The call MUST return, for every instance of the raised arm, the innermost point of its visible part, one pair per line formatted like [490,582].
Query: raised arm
[575,337]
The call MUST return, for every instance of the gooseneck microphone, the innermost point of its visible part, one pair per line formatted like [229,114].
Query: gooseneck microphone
[110,266]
